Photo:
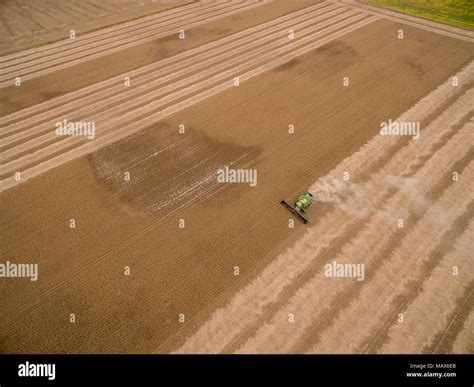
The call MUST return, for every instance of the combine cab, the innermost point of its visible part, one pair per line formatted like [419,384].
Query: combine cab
[300,206]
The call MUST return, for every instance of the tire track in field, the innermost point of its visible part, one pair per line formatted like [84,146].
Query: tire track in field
[464,341]
[459,319]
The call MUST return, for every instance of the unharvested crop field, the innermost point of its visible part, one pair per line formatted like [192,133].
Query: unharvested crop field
[454,12]
[141,249]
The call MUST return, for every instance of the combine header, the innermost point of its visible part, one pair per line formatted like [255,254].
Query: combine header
[300,206]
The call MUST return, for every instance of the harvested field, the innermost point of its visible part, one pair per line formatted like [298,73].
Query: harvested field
[65,53]
[137,238]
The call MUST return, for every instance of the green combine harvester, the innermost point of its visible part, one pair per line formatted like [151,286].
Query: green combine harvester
[300,206]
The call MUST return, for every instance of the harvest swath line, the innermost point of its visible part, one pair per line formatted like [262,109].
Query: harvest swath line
[221,327]
[139,75]
[194,201]
[294,309]
[149,94]
[143,79]
[143,116]
[416,285]
[325,293]
[376,225]
[91,37]
[385,294]
[371,301]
